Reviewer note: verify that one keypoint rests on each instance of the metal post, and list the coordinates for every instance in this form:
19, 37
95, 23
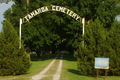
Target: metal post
83, 22
20, 24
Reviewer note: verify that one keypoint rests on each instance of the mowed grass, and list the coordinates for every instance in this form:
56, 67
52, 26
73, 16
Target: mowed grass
37, 65
70, 72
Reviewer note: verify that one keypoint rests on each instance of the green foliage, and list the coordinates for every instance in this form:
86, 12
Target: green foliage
114, 48
47, 30
94, 46
99, 42
13, 61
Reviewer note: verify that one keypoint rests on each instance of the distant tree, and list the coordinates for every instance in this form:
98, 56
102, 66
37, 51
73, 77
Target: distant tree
48, 29
45, 31
13, 61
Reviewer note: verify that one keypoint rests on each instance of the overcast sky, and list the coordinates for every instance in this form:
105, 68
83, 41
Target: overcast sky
3, 8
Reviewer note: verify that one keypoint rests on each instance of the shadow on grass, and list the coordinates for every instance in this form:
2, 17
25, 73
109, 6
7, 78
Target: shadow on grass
101, 77
74, 71
45, 57
66, 56
69, 57
77, 73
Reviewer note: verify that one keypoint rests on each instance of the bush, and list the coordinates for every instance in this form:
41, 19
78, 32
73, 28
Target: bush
13, 61
99, 42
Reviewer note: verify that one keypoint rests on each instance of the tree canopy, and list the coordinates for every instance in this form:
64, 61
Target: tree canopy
54, 30
45, 29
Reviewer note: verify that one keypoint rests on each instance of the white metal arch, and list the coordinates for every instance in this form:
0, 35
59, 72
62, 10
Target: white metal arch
50, 8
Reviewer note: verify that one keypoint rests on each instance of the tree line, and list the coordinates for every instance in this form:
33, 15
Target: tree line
51, 31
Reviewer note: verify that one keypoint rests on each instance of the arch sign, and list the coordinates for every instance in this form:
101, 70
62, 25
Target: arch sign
46, 9
51, 8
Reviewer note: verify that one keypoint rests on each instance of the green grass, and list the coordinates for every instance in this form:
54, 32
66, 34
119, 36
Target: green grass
70, 72
37, 65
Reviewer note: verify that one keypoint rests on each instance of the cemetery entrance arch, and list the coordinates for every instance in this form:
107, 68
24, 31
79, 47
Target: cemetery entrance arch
46, 9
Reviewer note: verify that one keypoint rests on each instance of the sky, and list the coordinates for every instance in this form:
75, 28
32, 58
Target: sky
3, 8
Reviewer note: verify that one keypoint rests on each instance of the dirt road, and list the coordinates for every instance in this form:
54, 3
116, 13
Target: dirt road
52, 71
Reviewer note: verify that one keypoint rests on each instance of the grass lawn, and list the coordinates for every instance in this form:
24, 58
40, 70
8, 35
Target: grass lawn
69, 69
38, 64
70, 72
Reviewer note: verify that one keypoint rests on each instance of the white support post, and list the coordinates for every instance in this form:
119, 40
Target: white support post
20, 24
83, 22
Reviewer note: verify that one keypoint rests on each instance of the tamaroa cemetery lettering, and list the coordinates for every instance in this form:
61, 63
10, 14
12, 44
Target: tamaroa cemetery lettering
51, 8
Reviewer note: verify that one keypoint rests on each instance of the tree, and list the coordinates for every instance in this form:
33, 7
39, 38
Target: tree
55, 22
13, 61
44, 33
95, 45
114, 48
99, 42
